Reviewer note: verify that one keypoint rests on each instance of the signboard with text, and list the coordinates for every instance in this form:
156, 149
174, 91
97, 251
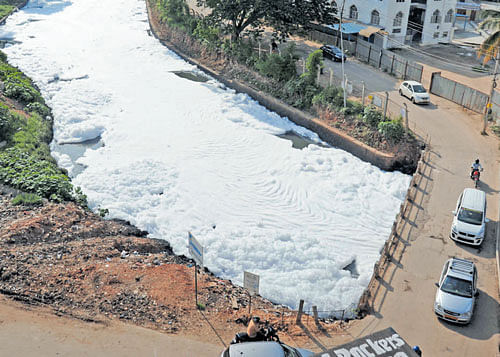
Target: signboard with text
251, 282
385, 343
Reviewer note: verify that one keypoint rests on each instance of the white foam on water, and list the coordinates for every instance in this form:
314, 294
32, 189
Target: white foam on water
183, 156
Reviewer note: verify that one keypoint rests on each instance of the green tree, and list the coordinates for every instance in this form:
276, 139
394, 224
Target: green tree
490, 22
284, 16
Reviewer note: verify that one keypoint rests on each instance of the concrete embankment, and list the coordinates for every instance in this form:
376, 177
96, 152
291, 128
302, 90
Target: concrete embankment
333, 136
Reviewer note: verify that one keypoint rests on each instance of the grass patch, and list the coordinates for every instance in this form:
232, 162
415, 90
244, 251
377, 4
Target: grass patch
27, 199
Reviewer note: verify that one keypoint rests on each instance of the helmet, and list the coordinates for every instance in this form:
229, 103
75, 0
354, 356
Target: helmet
477, 162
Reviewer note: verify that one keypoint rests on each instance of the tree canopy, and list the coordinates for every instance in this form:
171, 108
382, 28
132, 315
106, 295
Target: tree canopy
491, 22
284, 16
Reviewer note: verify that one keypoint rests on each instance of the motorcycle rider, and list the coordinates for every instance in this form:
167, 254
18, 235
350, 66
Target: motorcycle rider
476, 166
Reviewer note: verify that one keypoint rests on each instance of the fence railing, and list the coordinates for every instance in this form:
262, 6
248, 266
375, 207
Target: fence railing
390, 246
376, 56
459, 93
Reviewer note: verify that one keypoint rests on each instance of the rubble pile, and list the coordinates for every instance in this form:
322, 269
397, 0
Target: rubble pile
80, 265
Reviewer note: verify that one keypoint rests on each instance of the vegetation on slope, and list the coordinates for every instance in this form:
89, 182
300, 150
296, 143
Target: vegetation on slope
25, 134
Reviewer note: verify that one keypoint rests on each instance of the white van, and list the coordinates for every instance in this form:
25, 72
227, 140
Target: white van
469, 221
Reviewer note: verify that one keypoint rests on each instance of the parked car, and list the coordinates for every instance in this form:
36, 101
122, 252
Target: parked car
264, 348
469, 221
457, 291
415, 91
333, 53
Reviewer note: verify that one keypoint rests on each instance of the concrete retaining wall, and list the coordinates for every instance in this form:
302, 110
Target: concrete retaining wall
328, 134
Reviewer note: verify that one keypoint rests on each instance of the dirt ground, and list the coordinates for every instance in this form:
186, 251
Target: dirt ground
71, 263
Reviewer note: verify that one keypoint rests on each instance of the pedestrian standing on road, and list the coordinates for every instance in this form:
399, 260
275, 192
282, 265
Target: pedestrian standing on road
417, 350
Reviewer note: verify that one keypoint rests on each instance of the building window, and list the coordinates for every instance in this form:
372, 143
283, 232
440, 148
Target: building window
445, 34
436, 17
398, 19
449, 16
353, 12
375, 19
400, 0
396, 30
436, 35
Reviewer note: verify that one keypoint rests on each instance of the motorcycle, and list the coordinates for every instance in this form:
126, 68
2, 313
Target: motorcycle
266, 333
475, 177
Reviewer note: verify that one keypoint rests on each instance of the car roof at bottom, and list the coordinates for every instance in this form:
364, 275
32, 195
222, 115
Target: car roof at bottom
256, 349
461, 268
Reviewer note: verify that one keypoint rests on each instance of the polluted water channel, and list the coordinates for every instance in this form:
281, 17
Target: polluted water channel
184, 153
192, 76
77, 150
299, 141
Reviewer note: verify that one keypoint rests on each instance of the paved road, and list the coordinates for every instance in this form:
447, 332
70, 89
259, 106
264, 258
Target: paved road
406, 301
41, 334
406, 295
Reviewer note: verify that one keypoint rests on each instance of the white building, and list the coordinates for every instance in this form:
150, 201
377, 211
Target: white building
421, 21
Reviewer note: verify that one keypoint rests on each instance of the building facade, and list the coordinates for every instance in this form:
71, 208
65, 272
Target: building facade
403, 21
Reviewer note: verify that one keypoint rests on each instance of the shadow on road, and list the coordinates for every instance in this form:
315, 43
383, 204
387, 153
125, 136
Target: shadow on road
483, 186
484, 323
488, 248
313, 339
429, 106
405, 235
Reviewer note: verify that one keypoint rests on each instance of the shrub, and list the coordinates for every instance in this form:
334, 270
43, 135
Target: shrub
38, 108
31, 174
210, 35
280, 67
6, 123
299, 92
313, 62
79, 197
242, 51
495, 129
176, 14
103, 212
357, 107
27, 199
392, 130
372, 116
331, 97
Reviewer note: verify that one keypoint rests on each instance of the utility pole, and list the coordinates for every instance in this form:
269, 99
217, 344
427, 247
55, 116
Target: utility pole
493, 86
342, 50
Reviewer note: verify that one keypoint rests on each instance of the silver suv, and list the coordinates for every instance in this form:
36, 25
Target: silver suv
457, 292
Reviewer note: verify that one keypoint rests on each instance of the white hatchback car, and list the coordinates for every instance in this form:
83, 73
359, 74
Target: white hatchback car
457, 291
415, 91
